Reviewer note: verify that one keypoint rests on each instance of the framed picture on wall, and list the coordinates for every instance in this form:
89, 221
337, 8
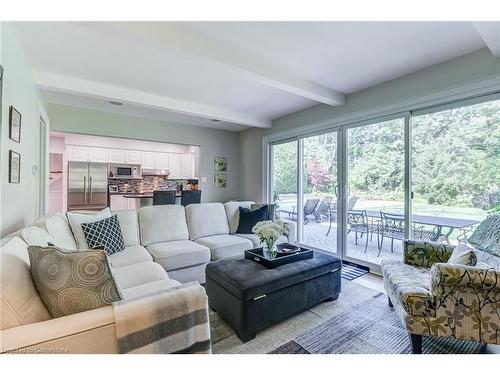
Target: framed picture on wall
14, 124
220, 164
14, 167
220, 180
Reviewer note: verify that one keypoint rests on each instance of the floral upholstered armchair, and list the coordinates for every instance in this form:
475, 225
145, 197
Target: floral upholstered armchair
433, 297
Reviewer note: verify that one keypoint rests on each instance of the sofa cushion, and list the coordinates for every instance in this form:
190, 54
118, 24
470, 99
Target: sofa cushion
130, 255
179, 254
129, 222
72, 282
225, 245
409, 286
149, 288
233, 213
77, 219
138, 274
206, 219
36, 236
59, 229
162, 223
104, 234
19, 300
255, 240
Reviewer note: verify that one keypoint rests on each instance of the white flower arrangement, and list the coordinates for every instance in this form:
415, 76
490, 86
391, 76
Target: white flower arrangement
269, 231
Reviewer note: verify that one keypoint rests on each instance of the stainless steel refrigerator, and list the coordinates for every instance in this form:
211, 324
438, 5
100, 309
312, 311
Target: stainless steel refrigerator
87, 186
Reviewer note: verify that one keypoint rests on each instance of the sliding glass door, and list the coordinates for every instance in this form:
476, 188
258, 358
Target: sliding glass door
319, 192
359, 190
375, 186
284, 178
456, 170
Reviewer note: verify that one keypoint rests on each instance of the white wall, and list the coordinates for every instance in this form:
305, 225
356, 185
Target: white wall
18, 202
212, 142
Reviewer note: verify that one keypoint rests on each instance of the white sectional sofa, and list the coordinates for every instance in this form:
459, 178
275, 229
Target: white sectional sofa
165, 246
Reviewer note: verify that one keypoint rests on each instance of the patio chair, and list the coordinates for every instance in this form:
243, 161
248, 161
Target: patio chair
351, 202
357, 222
323, 210
309, 209
393, 227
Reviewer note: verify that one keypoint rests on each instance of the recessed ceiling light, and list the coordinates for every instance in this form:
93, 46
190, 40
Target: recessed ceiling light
114, 102
215, 120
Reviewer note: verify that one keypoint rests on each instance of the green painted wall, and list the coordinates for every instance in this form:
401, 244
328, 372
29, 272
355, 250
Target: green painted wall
18, 202
465, 69
213, 142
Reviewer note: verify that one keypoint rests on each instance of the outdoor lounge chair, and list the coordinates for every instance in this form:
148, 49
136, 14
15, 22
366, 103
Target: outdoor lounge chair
309, 210
323, 210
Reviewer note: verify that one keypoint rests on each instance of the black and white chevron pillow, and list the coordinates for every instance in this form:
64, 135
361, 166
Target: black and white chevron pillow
104, 234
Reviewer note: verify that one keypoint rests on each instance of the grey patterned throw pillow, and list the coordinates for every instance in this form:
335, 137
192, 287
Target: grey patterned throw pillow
72, 282
104, 234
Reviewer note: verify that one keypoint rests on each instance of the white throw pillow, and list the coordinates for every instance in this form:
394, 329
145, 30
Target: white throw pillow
76, 220
463, 254
36, 236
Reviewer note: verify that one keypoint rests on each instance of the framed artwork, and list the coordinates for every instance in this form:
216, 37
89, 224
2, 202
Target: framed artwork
14, 125
220, 164
14, 167
220, 180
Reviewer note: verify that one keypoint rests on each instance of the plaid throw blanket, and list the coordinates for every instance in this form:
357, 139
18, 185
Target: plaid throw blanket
170, 321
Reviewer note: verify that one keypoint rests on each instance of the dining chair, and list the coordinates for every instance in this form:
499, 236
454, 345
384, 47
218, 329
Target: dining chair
162, 197
190, 197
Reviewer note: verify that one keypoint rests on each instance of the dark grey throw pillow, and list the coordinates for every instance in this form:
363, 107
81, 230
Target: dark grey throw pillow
271, 209
248, 219
70, 282
104, 234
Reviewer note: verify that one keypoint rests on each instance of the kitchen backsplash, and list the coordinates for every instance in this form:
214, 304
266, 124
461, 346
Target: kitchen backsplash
147, 184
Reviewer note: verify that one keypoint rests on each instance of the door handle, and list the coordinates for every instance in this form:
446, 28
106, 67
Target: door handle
85, 189
90, 188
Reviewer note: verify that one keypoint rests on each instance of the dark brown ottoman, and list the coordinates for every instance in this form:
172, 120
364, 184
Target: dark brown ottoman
251, 297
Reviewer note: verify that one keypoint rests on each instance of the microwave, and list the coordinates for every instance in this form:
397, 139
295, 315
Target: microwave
126, 171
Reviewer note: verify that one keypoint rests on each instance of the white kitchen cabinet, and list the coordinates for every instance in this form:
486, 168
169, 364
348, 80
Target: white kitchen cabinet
98, 155
92, 154
162, 160
134, 157
117, 156
187, 167
174, 165
148, 160
119, 203
77, 153
132, 203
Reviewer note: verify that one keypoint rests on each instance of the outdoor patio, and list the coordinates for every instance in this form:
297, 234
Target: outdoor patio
315, 235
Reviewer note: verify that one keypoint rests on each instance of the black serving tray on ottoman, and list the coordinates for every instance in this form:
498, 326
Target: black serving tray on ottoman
257, 255
251, 297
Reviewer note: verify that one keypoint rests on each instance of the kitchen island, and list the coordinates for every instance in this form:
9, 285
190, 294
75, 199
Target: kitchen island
133, 201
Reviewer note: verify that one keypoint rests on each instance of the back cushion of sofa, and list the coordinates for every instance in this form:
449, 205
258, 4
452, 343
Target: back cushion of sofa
19, 300
162, 223
36, 236
233, 213
129, 224
58, 227
206, 219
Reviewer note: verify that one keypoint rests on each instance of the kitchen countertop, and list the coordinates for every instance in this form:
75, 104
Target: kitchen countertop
138, 195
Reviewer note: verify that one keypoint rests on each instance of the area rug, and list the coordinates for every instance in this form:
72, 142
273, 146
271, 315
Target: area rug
370, 327
352, 271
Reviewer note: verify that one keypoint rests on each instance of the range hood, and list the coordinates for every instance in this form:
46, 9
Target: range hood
155, 172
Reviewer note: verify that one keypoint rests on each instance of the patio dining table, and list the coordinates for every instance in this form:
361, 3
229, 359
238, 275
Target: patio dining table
444, 225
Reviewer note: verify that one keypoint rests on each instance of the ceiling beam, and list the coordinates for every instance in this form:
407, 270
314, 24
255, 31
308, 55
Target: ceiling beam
174, 35
490, 33
60, 83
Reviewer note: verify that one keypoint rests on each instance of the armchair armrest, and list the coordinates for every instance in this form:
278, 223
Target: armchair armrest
425, 254
87, 332
292, 230
454, 275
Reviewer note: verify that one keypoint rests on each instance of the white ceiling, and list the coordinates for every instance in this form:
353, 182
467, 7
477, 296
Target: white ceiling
243, 73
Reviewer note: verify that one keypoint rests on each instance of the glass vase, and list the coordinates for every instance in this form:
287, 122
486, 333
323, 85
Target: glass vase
270, 250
